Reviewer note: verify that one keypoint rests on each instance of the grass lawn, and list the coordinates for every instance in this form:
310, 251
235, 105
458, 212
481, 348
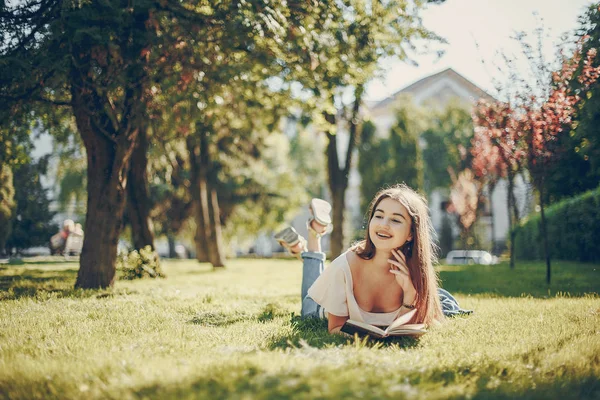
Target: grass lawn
232, 334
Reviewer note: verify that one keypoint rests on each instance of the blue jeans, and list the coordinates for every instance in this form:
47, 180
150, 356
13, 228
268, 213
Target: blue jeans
313, 264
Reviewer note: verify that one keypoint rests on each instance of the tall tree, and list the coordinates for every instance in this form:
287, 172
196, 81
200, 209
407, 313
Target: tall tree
576, 165
541, 113
138, 200
489, 168
86, 57
348, 41
104, 61
498, 152
546, 119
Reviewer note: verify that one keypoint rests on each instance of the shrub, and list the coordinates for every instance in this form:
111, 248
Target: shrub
573, 230
139, 264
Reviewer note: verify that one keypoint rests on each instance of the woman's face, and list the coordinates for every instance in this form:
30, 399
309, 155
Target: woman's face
390, 226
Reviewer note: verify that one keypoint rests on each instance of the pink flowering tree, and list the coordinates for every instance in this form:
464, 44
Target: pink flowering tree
525, 130
498, 153
544, 120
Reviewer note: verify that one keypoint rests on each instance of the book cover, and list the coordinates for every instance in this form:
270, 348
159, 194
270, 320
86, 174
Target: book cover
400, 327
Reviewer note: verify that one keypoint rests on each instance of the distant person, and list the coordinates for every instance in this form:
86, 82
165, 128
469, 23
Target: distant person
78, 229
380, 278
59, 240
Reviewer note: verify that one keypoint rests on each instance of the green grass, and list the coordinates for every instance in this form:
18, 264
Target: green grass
232, 334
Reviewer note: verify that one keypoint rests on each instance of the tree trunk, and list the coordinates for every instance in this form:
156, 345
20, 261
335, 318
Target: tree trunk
109, 130
545, 234
215, 244
465, 239
107, 169
338, 176
511, 218
209, 238
171, 240
492, 187
199, 200
138, 205
7, 206
337, 235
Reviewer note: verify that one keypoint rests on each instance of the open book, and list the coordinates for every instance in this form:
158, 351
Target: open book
399, 327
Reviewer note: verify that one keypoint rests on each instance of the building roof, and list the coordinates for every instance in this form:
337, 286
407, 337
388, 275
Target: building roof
432, 79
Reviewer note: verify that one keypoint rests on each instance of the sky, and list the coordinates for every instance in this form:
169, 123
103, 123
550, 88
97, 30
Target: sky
488, 23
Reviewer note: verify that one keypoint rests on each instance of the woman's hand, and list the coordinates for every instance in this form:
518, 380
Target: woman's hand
400, 269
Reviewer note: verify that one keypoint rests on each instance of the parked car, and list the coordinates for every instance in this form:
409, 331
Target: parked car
470, 257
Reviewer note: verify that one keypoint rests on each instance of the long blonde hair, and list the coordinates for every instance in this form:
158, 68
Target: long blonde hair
420, 252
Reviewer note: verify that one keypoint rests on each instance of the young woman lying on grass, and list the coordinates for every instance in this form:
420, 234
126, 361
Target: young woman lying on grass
380, 278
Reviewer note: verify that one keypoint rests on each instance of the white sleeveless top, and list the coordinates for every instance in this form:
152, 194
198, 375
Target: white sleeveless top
333, 291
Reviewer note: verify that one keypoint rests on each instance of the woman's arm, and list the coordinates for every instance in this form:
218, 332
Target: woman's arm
334, 323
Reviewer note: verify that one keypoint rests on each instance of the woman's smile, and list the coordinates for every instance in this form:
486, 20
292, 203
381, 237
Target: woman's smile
390, 226
384, 236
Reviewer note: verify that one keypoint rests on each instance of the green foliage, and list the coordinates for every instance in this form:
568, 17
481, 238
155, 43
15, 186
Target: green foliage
168, 187
70, 168
307, 160
235, 334
32, 219
384, 161
448, 144
404, 146
570, 172
15, 141
575, 167
573, 227
267, 191
373, 161
446, 134
144, 263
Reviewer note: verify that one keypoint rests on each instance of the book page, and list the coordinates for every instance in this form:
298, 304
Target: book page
402, 320
407, 328
365, 326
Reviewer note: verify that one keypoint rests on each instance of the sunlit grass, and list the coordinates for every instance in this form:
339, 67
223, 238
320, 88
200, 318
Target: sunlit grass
232, 333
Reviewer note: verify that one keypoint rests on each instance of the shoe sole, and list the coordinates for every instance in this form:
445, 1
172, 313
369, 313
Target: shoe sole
287, 237
321, 211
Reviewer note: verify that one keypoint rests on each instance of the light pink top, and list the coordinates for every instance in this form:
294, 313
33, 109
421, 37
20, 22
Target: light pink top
334, 292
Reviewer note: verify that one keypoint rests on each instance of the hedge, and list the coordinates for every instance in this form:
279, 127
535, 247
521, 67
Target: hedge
573, 230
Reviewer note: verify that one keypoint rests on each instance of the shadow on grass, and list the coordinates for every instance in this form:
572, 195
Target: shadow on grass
43, 284
36, 282
312, 332
527, 279
247, 381
213, 319
220, 319
37, 277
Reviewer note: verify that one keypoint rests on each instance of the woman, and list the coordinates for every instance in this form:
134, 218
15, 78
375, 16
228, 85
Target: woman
380, 278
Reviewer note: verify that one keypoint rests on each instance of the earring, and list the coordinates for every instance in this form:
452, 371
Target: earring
408, 247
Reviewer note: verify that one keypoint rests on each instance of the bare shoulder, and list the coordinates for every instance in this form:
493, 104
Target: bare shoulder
352, 257
354, 262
